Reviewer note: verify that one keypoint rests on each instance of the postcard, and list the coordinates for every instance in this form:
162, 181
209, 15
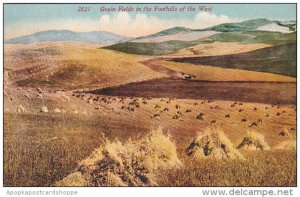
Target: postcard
152, 94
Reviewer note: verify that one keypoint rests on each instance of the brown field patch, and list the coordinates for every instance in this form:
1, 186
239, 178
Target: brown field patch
67, 138
89, 67
217, 48
76, 115
209, 73
262, 92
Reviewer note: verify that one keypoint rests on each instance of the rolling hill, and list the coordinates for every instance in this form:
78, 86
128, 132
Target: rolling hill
248, 25
181, 36
71, 65
241, 26
280, 59
256, 24
171, 40
170, 31
265, 37
155, 48
172, 46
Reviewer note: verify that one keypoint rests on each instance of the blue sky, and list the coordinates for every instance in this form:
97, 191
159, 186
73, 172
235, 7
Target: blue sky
20, 19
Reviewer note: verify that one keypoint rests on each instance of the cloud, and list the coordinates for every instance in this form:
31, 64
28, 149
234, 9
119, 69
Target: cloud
205, 19
121, 23
141, 24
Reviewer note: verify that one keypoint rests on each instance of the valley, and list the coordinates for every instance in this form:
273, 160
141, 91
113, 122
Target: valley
182, 107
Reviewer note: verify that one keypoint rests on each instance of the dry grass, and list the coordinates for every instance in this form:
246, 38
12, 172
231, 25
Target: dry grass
41, 154
213, 143
254, 141
54, 159
272, 168
38, 155
75, 179
218, 48
209, 73
133, 163
41, 149
71, 65
286, 145
284, 133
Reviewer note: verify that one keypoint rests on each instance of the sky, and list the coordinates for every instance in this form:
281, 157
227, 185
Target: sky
25, 19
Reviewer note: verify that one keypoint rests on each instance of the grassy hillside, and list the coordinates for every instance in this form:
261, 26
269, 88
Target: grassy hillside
218, 48
159, 48
211, 73
229, 37
273, 38
242, 26
170, 31
279, 59
169, 47
290, 24
243, 32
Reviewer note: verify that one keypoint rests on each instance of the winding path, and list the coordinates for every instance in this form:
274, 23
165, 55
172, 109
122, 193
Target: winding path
158, 68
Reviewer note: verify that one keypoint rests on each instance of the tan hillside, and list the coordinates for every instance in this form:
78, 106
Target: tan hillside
209, 73
218, 48
103, 137
71, 65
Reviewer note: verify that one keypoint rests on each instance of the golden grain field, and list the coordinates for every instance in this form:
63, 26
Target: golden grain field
76, 115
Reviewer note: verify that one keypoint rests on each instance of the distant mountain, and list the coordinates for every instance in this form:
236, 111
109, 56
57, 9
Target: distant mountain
95, 37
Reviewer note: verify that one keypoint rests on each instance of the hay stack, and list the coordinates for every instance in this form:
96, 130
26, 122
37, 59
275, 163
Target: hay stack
253, 141
21, 109
130, 164
57, 110
286, 145
75, 179
284, 133
44, 109
213, 144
